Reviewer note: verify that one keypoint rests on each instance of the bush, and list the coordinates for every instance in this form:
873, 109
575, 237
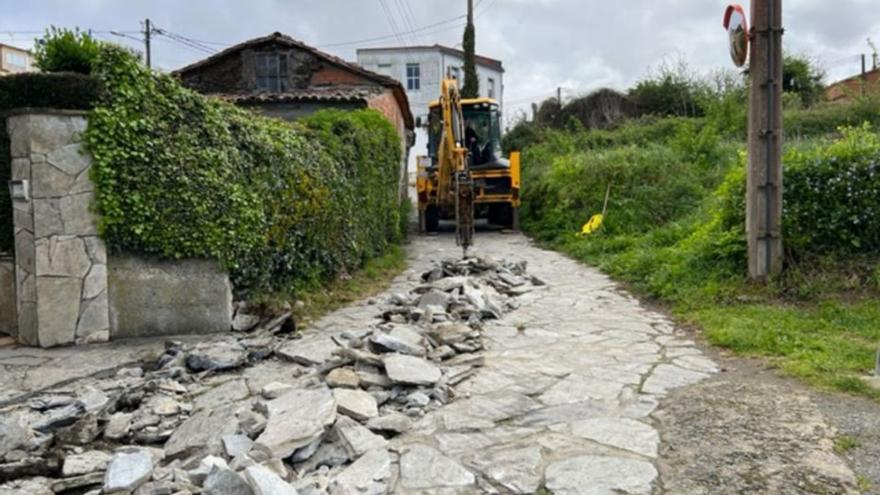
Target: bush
281, 205
69, 91
832, 195
65, 50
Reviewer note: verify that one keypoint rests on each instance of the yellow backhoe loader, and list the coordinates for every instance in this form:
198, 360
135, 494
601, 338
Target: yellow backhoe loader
464, 176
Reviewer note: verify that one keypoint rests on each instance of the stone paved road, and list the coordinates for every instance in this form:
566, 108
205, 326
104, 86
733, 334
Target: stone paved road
570, 381
568, 396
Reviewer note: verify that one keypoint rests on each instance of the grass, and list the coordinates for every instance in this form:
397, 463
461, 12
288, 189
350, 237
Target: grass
311, 303
829, 344
371, 279
674, 234
845, 443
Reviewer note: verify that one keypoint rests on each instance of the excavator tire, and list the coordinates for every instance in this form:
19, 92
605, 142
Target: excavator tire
432, 218
502, 215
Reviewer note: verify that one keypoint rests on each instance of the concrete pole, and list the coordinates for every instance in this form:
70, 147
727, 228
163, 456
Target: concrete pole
764, 183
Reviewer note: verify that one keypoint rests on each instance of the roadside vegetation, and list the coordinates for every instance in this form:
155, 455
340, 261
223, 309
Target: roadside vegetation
288, 208
672, 150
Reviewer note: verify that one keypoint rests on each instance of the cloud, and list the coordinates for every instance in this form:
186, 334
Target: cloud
577, 44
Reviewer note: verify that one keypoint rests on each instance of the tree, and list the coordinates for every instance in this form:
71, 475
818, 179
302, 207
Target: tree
804, 78
65, 50
471, 86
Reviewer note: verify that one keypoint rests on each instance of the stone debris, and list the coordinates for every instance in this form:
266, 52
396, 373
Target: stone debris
128, 470
267, 411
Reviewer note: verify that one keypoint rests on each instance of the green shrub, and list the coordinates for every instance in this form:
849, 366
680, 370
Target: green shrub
826, 118
281, 205
65, 50
832, 194
69, 91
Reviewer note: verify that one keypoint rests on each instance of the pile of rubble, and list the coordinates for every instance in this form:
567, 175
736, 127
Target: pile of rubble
190, 424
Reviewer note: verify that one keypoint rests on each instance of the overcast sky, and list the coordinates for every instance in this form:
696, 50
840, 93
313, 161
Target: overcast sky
579, 45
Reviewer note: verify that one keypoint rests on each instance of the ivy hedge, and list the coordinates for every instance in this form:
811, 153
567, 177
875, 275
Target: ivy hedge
35, 90
281, 205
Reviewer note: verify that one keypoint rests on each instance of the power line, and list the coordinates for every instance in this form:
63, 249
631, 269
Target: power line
422, 29
391, 23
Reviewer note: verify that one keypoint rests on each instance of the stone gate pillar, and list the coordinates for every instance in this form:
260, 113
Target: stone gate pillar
61, 263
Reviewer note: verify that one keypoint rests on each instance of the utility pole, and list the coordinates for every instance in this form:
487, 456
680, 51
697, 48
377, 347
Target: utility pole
864, 74
559, 96
147, 32
764, 182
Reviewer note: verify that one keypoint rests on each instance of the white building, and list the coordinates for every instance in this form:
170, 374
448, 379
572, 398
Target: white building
420, 70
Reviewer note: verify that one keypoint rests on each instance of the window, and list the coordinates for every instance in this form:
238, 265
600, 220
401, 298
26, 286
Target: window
491, 88
413, 77
16, 60
455, 73
271, 72
384, 69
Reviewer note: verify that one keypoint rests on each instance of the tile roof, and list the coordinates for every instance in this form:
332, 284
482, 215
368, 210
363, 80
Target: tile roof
311, 94
283, 39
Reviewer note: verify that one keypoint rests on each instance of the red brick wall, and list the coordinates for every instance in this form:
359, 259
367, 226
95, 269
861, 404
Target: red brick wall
387, 105
848, 88
329, 75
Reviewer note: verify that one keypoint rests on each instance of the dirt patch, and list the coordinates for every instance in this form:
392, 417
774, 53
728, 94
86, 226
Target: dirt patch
748, 430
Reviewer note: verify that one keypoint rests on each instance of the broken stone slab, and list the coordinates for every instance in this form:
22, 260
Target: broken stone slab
411, 370
127, 470
60, 417
264, 481
46, 402
308, 351
452, 333
355, 438
202, 432
216, 356
356, 404
224, 481
251, 423
14, 434
243, 322
295, 420
236, 445
83, 432
343, 378
330, 454
369, 379
88, 462
78, 483
206, 465
368, 474
446, 284
399, 340
231, 391
274, 390
434, 298
393, 422
424, 467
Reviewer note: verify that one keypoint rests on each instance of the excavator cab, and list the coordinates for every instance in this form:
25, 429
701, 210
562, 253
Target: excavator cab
496, 179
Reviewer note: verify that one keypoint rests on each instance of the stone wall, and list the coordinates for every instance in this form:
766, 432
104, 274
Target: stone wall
61, 264
151, 297
8, 313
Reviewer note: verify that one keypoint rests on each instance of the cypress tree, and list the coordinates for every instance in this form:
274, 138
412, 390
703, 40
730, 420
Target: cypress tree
471, 86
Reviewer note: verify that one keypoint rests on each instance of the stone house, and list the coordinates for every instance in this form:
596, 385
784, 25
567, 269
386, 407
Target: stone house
285, 78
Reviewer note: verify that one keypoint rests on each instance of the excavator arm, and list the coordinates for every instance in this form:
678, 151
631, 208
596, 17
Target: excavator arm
454, 176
